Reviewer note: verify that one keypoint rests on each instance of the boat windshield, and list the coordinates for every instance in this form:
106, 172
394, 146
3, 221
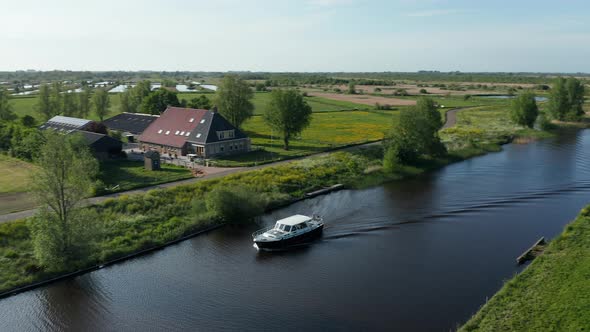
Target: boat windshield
287, 228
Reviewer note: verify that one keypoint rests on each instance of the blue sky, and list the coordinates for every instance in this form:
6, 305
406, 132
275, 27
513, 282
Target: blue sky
305, 35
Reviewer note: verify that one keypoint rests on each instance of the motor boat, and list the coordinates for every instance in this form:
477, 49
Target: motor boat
288, 232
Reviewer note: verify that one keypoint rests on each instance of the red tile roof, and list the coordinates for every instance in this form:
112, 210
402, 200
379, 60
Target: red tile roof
173, 120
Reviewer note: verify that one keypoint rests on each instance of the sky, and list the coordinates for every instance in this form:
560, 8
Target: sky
289, 35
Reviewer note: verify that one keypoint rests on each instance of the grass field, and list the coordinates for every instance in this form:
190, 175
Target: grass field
327, 130
552, 294
15, 181
26, 105
129, 175
15, 175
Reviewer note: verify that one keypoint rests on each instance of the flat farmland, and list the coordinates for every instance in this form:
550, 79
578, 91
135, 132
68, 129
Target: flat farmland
368, 100
328, 130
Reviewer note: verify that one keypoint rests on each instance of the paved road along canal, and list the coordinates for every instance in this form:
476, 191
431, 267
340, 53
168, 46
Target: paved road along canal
421, 254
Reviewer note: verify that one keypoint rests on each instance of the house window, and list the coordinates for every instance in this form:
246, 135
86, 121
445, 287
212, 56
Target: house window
203, 121
198, 135
226, 134
167, 132
177, 132
191, 120
187, 133
160, 131
182, 133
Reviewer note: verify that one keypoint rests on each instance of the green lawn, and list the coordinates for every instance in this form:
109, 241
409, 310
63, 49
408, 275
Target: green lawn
552, 294
327, 130
131, 175
14, 175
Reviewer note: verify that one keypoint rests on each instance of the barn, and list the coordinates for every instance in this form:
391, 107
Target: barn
205, 133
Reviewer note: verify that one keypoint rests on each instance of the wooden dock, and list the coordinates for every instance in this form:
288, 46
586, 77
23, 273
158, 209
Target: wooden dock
324, 190
531, 252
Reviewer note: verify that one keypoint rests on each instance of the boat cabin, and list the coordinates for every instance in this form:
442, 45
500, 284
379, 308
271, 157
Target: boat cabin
292, 224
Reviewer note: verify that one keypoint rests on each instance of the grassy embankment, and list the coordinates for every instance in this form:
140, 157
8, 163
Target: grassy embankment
136, 222
552, 294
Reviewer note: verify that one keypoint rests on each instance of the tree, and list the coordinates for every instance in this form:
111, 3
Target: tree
6, 112
351, 88
233, 100
43, 105
101, 103
56, 98
288, 113
524, 110
70, 105
566, 99
414, 135
200, 102
575, 97
84, 102
62, 232
158, 101
132, 98
28, 121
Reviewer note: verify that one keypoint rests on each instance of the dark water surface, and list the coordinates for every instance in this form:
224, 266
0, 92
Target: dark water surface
416, 255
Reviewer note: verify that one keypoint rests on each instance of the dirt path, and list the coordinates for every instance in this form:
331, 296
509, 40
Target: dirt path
215, 173
452, 116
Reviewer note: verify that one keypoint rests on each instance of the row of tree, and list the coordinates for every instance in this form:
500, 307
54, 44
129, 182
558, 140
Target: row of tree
52, 101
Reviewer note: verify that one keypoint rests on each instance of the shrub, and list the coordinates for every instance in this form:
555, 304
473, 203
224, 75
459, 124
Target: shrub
423, 91
235, 204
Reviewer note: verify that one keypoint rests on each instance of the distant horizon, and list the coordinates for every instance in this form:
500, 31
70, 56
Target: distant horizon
293, 72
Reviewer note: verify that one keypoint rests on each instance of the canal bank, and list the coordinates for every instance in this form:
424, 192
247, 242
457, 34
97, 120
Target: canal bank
552, 293
442, 224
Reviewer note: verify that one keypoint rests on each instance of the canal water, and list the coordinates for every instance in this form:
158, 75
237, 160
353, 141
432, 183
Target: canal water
422, 255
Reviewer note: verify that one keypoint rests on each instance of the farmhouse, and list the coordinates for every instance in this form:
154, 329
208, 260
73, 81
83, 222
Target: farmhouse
130, 124
205, 133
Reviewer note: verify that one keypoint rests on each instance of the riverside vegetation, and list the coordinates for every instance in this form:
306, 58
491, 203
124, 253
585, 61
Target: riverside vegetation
131, 223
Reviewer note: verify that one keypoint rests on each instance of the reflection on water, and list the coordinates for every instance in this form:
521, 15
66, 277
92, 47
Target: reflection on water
420, 254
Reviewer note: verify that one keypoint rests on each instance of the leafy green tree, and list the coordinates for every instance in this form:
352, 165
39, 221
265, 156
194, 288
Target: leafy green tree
84, 102
6, 112
288, 113
233, 100
524, 110
575, 97
158, 101
566, 99
25, 143
200, 102
62, 232
414, 135
28, 121
43, 105
132, 98
351, 88
70, 105
56, 98
101, 103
